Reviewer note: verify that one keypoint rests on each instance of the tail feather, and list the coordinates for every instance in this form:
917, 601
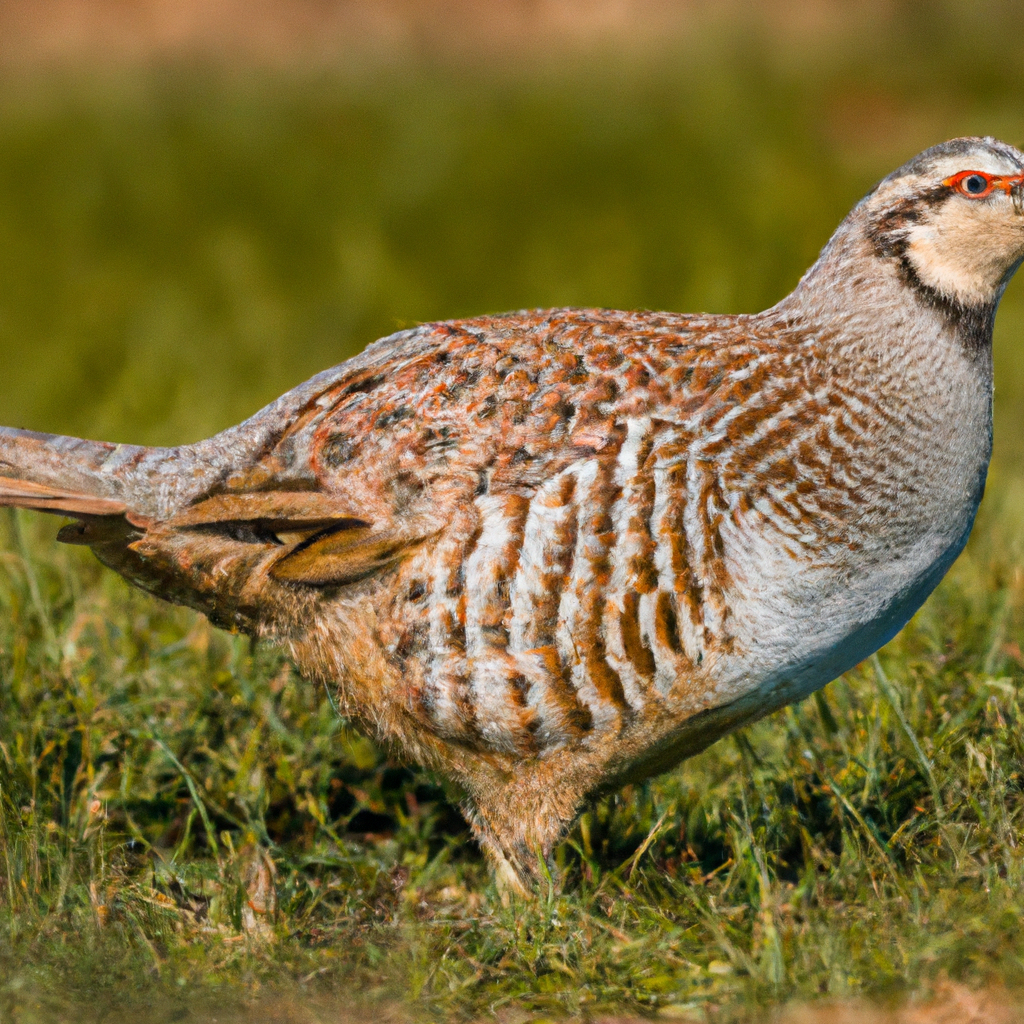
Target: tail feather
72, 476
25, 494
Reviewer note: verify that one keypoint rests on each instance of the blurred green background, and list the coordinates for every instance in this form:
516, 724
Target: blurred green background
204, 202
182, 237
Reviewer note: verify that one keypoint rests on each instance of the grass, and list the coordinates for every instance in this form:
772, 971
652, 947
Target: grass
183, 820
188, 829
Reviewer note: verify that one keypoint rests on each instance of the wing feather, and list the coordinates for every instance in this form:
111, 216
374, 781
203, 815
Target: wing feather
277, 509
342, 556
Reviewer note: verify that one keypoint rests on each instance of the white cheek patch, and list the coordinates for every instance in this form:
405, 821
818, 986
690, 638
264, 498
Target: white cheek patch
964, 249
935, 269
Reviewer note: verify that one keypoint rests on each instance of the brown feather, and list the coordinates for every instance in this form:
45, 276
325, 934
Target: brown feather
25, 494
277, 509
342, 556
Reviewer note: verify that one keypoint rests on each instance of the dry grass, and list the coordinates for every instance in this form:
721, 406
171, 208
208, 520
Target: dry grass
953, 1004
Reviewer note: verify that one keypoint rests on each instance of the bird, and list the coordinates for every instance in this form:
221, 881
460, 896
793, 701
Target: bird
551, 552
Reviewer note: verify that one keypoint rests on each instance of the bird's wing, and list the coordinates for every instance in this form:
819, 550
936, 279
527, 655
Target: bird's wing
357, 468
324, 542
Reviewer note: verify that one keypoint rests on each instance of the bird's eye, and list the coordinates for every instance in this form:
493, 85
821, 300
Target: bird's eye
973, 184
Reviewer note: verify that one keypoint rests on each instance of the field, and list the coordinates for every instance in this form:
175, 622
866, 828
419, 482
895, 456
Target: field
187, 829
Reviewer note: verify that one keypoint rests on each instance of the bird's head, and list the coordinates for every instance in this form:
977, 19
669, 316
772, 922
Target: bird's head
951, 221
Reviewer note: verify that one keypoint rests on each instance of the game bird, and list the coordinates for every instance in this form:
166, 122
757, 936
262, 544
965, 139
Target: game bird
554, 551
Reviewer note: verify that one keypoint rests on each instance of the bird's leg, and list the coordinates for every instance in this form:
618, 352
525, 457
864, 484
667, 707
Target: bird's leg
518, 868
519, 823
510, 873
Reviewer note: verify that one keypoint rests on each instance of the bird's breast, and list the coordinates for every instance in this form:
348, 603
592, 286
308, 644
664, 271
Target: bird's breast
872, 504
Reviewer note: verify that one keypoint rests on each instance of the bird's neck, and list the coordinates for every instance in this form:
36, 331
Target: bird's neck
872, 307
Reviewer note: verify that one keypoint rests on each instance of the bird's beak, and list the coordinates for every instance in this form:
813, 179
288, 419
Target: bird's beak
1013, 186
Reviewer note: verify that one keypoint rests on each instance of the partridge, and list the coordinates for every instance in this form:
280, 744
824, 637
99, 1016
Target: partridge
553, 551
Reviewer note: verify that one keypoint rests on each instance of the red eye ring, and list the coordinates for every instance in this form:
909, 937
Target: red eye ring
967, 183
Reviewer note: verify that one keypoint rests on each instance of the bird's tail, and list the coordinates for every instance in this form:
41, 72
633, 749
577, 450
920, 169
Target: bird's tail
65, 475
78, 478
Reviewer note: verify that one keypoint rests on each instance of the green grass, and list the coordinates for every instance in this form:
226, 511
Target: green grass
176, 249
866, 841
